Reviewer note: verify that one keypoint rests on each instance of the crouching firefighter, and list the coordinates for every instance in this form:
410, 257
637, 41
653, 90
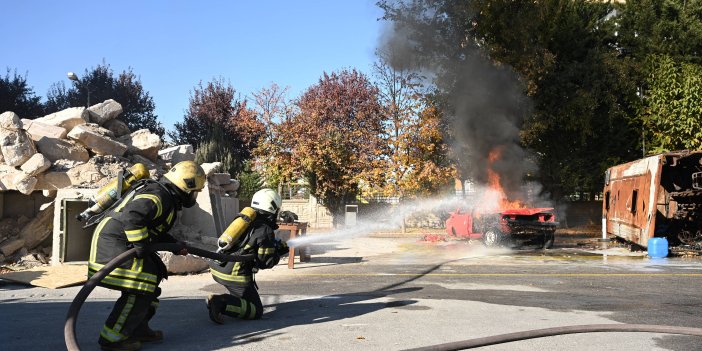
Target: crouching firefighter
258, 238
144, 215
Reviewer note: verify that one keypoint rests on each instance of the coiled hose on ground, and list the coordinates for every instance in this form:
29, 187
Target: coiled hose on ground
573, 329
69, 329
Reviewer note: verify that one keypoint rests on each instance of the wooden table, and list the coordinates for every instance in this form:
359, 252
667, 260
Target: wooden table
295, 229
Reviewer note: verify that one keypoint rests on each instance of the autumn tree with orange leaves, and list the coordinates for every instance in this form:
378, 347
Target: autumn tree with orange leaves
334, 139
416, 163
219, 120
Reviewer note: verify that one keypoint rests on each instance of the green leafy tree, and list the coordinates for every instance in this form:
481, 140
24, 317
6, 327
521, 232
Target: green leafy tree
101, 84
216, 149
17, 96
250, 182
334, 141
673, 105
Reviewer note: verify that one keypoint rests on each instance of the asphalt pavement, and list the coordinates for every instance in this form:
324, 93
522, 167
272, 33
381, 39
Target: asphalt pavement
373, 293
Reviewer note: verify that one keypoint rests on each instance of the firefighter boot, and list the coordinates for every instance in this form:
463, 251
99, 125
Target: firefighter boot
124, 345
215, 307
145, 334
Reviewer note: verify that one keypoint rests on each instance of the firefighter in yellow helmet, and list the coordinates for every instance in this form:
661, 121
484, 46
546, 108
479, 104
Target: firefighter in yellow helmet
144, 215
243, 300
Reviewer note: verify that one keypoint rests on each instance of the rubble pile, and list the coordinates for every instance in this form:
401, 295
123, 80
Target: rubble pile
77, 150
73, 148
76, 147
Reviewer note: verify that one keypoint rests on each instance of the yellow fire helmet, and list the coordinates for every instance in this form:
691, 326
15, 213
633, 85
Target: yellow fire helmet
188, 176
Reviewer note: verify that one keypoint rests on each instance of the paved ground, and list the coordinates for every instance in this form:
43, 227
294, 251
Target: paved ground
398, 293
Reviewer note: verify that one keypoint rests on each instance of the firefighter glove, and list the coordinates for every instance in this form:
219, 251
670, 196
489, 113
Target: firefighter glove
140, 250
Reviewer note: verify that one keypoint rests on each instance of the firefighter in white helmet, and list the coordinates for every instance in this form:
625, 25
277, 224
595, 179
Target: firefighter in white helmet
144, 215
243, 300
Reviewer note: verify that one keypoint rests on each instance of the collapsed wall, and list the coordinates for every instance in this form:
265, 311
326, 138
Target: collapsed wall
71, 154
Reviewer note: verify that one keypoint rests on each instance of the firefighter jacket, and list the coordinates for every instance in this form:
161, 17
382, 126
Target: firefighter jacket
143, 216
260, 240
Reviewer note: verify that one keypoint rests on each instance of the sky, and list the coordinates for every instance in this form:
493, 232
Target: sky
173, 45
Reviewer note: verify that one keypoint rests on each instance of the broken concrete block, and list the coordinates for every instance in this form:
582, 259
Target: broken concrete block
53, 181
85, 174
36, 164
104, 111
183, 264
141, 159
231, 187
95, 128
11, 247
61, 149
39, 228
25, 183
68, 118
211, 168
97, 143
177, 154
220, 178
37, 130
117, 127
10, 120
143, 142
16, 147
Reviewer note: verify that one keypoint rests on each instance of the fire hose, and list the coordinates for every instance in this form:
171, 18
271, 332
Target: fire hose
69, 329
573, 329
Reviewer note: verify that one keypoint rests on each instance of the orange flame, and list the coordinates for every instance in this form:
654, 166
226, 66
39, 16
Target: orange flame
496, 196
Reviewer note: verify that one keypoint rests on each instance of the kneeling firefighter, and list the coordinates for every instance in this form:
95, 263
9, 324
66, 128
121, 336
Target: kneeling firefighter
144, 215
243, 300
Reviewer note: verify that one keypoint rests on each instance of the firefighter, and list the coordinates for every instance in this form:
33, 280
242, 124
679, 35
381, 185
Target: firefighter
243, 300
144, 215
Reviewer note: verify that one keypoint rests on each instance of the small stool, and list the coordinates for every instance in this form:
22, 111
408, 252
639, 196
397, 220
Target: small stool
295, 229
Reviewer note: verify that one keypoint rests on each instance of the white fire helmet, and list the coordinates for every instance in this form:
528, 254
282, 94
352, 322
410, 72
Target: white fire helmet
266, 200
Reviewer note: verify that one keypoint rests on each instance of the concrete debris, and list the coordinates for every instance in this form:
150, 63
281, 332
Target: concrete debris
10, 120
11, 247
62, 149
211, 168
104, 111
25, 183
38, 130
39, 228
16, 146
67, 119
96, 142
183, 264
36, 165
175, 154
117, 127
143, 143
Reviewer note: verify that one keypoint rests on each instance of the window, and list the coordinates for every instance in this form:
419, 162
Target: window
634, 198
606, 201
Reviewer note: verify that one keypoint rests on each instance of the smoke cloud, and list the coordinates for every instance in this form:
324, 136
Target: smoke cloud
485, 104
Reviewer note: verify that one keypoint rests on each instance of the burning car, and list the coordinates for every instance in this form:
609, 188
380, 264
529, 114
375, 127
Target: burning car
512, 227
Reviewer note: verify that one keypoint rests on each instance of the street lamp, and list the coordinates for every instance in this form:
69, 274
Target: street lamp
72, 76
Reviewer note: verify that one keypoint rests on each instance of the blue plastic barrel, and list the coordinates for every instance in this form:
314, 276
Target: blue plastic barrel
657, 247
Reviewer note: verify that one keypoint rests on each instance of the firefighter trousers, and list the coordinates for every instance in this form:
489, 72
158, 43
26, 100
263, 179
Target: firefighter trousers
242, 301
131, 313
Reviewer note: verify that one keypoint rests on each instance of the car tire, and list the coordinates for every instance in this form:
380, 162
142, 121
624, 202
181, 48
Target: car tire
549, 239
492, 238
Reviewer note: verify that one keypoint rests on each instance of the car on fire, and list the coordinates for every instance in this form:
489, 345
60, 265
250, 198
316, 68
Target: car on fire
512, 228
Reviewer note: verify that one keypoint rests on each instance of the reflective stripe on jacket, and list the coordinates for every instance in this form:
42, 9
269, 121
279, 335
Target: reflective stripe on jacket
143, 216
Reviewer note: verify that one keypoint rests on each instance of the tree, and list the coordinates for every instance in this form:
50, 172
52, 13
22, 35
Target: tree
334, 140
271, 157
673, 105
137, 105
215, 108
17, 96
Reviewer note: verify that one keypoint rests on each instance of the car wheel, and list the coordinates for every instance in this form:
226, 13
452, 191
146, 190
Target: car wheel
492, 238
549, 238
